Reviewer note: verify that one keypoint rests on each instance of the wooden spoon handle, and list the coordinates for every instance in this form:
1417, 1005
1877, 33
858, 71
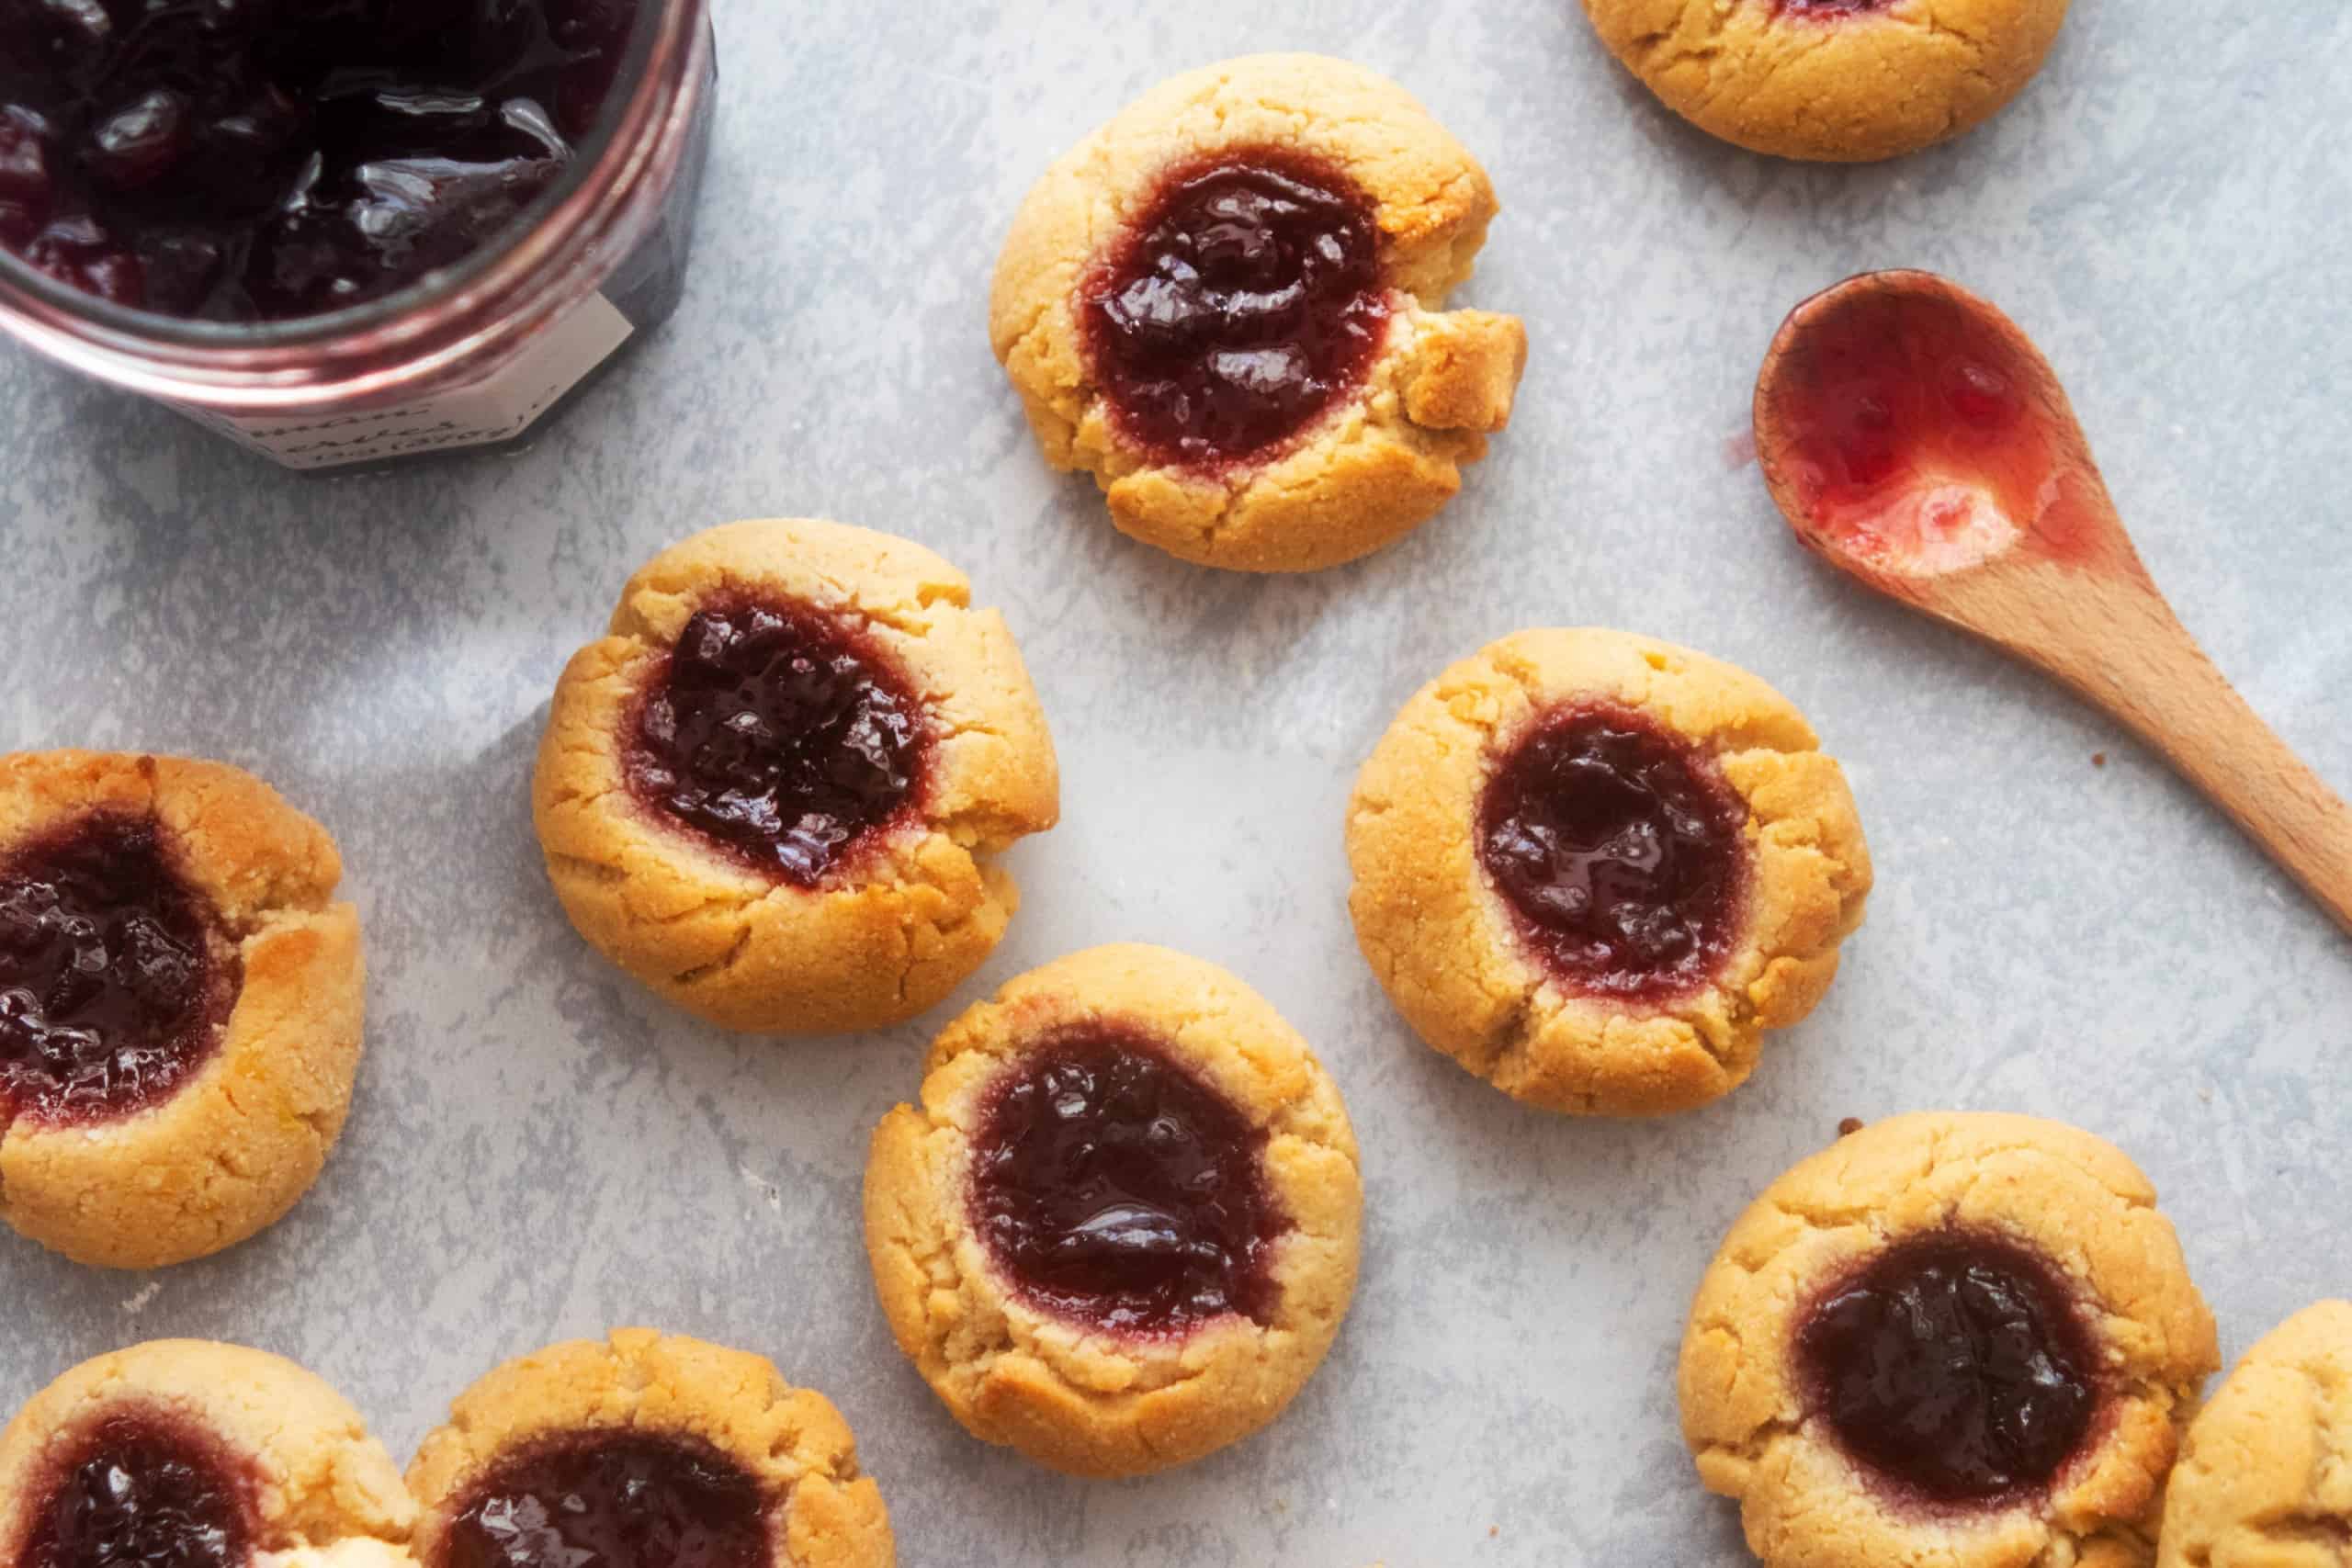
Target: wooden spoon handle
2144, 668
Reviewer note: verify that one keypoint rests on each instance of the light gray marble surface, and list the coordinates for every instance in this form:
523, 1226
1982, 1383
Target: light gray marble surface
540, 1151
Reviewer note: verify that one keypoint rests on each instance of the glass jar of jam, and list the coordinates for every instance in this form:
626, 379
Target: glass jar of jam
348, 231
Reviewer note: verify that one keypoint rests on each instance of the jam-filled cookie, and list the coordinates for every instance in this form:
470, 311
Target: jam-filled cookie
775, 791
183, 1454
2265, 1478
1831, 81
1121, 1231
1968, 1340
1226, 305
644, 1451
180, 1005
1593, 869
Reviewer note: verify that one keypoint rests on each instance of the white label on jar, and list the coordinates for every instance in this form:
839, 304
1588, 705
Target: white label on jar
498, 408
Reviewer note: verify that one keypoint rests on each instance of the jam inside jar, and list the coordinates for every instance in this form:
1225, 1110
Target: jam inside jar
347, 232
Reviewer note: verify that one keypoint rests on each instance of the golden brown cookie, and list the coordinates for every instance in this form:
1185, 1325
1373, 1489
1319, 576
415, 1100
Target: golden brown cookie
618, 1450
1833, 81
1594, 868
1226, 305
775, 792
197, 1455
2265, 1478
1964, 1340
1121, 1231
180, 1005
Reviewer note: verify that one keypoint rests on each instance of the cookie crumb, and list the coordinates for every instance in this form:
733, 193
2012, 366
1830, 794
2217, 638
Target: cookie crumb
2098, 758
1849, 1126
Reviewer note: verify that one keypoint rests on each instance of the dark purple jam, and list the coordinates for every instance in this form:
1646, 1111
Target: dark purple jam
114, 978
1245, 299
1117, 1188
142, 1489
1828, 10
1621, 850
783, 734
611, 1499
260, 160
1956, 1366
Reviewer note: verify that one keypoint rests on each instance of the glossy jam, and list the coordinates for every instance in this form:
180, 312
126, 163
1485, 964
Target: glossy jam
114, 978
1116, 1189
1907, 438
1244, 301
142, 1489
780, 733
618, 1499
1828, 10
1956, 1367
1621, 850
260, 160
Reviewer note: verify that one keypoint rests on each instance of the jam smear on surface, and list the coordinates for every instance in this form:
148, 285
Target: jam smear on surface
264, 160
142, 1489
611, 1499
781, 733
1620, 848
115, 979
1956, 1366
1245, 299
1118, 1190
1828, 10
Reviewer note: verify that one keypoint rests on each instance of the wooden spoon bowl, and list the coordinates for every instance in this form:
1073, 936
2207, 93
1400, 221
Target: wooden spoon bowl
1915, 437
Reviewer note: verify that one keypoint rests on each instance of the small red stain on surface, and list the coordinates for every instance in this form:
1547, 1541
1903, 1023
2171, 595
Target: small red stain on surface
2098, 758
1739, 451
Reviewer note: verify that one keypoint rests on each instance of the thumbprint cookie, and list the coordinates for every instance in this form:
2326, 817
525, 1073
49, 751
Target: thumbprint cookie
1226, 305
1968, 1340
2265, 1478
180, 1005
644, 1451
1832, 81
1121, 1230
1593, 869
775, 791
183, 1454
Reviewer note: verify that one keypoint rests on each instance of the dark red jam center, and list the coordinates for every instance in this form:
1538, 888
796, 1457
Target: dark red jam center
258, 160
1828, 9
142, 1490
1956, 1367
1244, 301
617, 1499
783, 734
1117, 1188
114, 976
1620, 848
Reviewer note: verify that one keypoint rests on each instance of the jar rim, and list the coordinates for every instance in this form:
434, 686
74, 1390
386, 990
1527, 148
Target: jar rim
419, 329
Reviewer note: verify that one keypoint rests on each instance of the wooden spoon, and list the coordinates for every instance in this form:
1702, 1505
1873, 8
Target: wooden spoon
1914, 437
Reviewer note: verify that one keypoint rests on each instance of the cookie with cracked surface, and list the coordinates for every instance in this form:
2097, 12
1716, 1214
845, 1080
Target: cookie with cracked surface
1964, 1339
1227, 306
1594, 868
1832, 81
1121, 1231
180, 1005
775, 791
180, 1453
646, 1450
2265, 1478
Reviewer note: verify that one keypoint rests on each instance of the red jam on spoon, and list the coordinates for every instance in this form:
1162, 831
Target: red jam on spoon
1620, 850
262, 159
1243, 301
1119, 1190
1955, 1367
115, 978
142, 1489
1910, 430
611, 1499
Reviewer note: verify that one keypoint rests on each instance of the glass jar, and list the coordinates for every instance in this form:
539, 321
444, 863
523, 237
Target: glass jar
470, 357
